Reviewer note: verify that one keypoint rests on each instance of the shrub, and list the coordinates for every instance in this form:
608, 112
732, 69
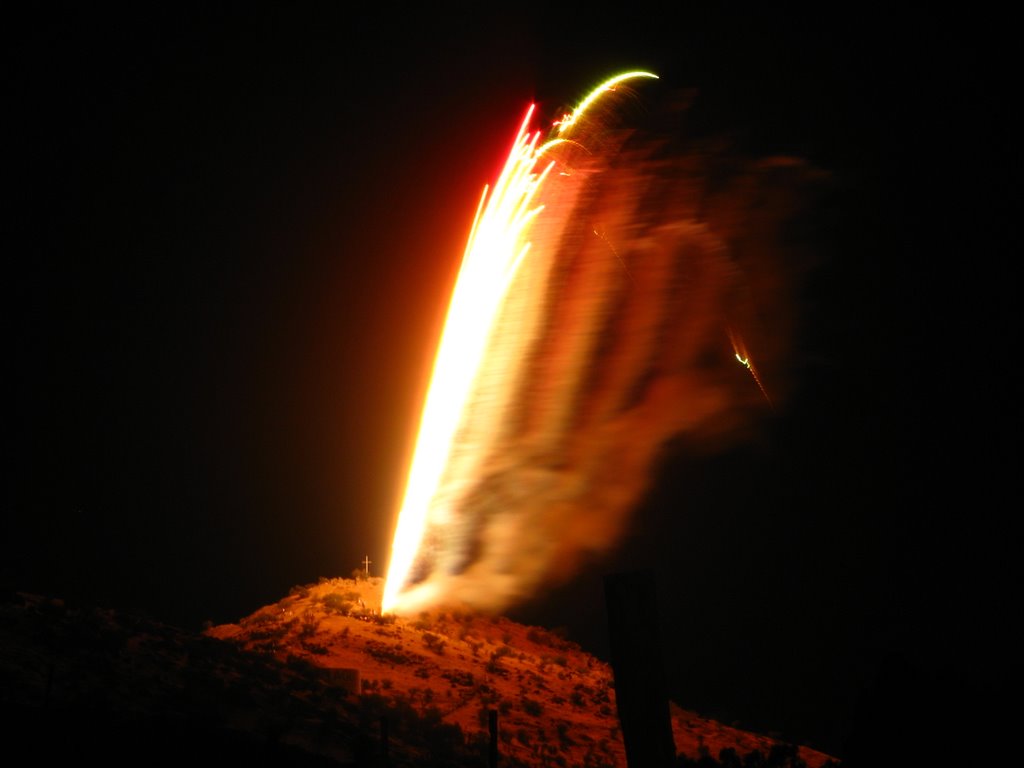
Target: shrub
785, 756
728, 757
436, 643
563, 734
531, 707
271, 633
309, 623
301, 665
457, 678
392, 654
261, 619
423, 622
337, 602
494, 667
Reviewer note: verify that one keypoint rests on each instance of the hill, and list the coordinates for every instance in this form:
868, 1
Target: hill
555, 702
320, 679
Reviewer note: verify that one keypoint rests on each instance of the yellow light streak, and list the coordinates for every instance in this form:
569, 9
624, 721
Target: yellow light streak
608, 85
740, 350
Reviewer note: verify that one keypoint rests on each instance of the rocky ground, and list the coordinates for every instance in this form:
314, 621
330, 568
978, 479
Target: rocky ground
320, 678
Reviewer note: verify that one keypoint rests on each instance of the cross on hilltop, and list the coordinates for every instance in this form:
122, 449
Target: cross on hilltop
366, 564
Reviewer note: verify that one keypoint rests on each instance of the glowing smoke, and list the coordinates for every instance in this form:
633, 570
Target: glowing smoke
639, 292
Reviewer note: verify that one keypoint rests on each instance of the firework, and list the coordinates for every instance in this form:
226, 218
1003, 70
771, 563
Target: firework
585, 329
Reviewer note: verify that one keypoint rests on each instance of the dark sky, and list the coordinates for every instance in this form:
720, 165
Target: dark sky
230, 240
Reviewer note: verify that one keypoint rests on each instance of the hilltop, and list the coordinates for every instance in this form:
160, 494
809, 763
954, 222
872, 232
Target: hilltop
555, 702
314, 680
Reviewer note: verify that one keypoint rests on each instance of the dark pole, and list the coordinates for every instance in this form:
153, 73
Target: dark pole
492, 724
640, 693
48, 687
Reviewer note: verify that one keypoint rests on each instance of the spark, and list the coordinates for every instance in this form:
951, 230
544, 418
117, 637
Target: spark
743, 356
498, 244
616, 253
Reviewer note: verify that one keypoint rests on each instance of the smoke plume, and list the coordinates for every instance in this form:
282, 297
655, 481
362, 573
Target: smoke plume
658, 299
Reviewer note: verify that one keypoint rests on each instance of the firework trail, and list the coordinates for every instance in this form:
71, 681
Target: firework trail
612, 281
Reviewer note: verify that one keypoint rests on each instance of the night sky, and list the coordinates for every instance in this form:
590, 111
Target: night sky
230, 241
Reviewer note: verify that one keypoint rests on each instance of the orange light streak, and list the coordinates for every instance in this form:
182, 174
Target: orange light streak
497, 245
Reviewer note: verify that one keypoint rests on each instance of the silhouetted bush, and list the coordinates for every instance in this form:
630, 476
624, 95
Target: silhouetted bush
392, 654
531, 707
310, 622
779, 756
436, 643
339, 603
459, 678
729, 758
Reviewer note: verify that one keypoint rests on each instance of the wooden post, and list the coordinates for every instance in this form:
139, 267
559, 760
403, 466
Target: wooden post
492, 724
384, 746
640, 693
